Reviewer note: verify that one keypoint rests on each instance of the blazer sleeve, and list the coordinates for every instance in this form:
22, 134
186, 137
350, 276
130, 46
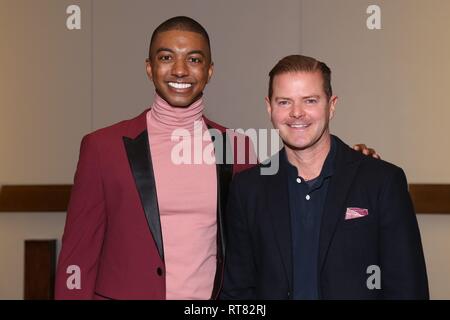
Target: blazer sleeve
84, 229
240, 272
403, 270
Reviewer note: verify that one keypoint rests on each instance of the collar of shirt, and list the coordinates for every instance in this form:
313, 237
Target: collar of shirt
326, 172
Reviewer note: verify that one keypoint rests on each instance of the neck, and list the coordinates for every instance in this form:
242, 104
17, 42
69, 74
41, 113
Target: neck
309, 162
170, 117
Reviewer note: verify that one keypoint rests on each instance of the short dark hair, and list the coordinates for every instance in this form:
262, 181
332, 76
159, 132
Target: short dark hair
299, 63
180, 23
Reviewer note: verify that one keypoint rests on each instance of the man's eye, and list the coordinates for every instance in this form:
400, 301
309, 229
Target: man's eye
195, 60
165, 58
283, 102
311, 101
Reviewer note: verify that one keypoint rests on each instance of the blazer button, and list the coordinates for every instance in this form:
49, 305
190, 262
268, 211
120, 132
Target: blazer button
159, 271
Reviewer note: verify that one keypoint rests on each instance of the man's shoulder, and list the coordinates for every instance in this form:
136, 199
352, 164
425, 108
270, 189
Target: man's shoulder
376, 171
367, 163
119, 129
378, 167
380, 172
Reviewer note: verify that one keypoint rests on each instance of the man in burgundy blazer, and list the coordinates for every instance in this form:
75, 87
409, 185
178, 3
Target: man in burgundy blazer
115, 235
112, 244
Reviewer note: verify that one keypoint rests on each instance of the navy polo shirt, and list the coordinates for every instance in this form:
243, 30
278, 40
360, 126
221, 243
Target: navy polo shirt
306, 203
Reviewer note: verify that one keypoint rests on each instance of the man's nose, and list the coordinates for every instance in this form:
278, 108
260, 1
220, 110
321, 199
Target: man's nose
180, 68
297, 111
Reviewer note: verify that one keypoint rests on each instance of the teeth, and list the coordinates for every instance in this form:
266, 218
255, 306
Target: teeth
298, 125
177, 85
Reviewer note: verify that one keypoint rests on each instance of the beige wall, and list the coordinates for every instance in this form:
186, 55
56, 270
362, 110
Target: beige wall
56, 85
436, 245
45, 108
391, 82
45, 91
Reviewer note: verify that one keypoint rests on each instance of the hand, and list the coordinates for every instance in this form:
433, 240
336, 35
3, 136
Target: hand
367, 151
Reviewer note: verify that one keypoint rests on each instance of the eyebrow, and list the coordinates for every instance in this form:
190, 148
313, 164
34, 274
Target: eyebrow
200, 52
164, 49
282, 98
313, 96
303, 98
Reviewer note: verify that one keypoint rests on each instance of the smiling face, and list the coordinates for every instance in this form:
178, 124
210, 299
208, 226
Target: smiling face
180, 66
300, 109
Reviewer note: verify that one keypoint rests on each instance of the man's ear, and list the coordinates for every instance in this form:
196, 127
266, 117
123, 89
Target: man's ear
148, 68
333, 102
210, 71
268, 106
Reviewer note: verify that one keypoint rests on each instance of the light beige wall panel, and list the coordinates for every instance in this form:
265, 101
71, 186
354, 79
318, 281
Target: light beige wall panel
391, 82
436, 245
45, 90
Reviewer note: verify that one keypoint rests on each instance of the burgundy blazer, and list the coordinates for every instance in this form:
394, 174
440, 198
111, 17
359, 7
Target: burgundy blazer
113, 233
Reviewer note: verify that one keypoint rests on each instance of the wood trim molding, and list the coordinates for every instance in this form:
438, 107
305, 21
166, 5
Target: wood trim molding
34, 198
430, 198
427, 198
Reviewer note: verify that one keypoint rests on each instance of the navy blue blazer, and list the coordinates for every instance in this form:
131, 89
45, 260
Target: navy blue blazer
258, 262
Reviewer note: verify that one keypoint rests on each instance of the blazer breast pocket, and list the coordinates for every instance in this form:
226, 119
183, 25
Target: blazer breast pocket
356, 216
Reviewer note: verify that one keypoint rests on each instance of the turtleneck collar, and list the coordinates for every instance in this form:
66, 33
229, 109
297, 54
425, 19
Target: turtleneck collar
167, 116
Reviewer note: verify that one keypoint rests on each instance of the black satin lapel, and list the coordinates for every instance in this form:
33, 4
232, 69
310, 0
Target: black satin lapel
224, 173
224, 176
139, 157
346, 167
277, 201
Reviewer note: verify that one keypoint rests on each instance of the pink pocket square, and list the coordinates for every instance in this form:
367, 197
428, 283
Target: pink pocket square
353, 213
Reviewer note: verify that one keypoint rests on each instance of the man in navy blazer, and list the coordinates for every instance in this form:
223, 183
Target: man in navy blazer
331, 223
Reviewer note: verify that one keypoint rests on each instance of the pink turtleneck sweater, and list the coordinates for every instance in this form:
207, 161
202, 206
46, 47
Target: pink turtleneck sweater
187, 198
